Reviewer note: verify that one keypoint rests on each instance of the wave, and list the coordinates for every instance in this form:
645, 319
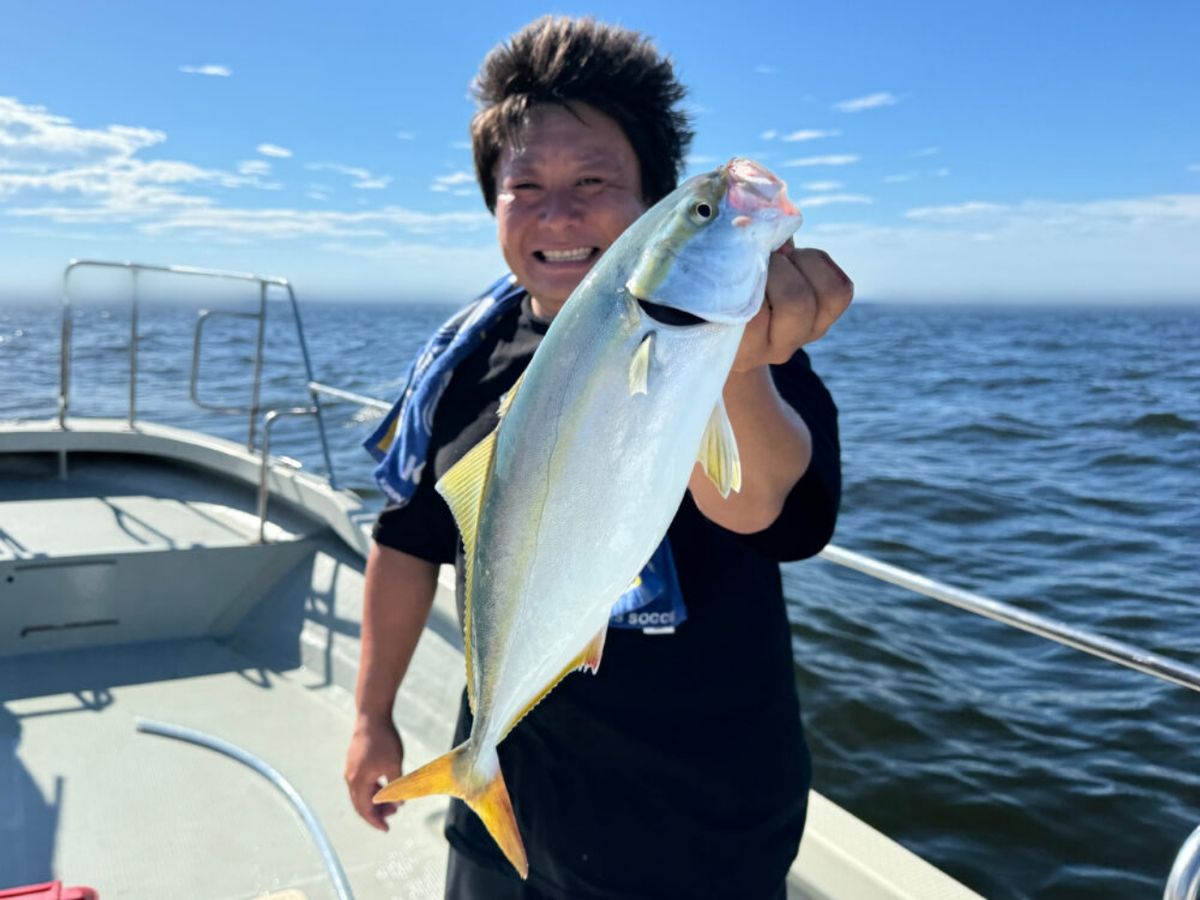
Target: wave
1163, 423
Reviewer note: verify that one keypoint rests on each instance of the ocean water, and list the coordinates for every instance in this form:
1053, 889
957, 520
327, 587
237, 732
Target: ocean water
1047, 457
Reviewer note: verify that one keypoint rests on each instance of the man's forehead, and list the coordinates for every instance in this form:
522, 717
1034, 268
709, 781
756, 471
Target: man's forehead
556, 134
529, 154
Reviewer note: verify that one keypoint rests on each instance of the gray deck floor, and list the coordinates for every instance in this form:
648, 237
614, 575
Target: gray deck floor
135, 815
87, 798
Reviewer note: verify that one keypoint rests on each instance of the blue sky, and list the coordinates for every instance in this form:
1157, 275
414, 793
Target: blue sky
969, 150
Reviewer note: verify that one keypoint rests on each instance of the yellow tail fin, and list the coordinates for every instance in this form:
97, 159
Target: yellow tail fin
481, 789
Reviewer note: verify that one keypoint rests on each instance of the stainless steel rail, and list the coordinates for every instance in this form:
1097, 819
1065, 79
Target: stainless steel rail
337, 875
1106, 648
135, 269
1184, 881
264, 471
349, 396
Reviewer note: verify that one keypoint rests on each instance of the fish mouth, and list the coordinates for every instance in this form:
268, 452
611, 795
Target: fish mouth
668, 315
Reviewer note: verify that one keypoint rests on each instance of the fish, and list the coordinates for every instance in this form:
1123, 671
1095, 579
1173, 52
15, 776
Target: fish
562, 505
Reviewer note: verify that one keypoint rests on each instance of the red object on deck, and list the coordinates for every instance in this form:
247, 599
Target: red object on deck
51, 890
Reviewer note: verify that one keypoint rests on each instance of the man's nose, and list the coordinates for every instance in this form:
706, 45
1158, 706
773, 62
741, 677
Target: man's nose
561, 207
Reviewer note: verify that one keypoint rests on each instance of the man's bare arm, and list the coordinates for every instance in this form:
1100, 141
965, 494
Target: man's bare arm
397, 598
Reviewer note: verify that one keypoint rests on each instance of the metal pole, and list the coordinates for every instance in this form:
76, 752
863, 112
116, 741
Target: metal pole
1115, 651
258, 362
64, 365
316, 400
264, 470
1184, 881
333, 866
133, 345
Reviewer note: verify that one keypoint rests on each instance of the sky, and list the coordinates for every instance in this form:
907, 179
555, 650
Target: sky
967, 150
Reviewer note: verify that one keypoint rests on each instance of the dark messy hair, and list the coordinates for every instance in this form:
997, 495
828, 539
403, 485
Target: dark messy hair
557, 60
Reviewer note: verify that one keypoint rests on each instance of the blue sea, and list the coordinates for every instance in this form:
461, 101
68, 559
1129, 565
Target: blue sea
1044, 456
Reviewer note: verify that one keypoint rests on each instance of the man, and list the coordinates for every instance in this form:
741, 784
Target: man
680, 770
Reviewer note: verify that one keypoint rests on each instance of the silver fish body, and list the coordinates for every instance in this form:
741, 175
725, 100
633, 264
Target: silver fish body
562, 506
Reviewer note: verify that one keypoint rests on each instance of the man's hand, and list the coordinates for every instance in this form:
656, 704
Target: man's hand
375, 758
806, 293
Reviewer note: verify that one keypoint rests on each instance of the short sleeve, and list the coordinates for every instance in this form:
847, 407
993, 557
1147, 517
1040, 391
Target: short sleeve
423, 527
809, 515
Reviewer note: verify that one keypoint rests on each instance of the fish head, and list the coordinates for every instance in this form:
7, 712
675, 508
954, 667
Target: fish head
705, 247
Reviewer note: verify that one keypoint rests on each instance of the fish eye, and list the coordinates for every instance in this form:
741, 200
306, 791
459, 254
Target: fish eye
701, 212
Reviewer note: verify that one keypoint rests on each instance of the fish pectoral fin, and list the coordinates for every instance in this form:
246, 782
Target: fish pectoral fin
481, 788
639, 367
593, 651
718, 454
463, 487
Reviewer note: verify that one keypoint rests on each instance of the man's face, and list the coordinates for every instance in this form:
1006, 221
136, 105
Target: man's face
564, 193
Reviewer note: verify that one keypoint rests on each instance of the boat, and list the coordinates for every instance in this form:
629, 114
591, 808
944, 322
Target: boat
179, 638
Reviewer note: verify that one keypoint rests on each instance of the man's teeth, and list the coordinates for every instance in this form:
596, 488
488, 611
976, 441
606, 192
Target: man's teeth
577, 255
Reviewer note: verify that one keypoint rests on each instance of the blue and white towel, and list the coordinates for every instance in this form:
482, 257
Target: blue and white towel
654, 603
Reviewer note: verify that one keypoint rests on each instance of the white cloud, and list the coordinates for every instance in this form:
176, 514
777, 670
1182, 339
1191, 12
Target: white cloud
293, 223
1194, 167
461, 145
821, 185
254, 167
446, 182
941, 173
810, 134
927, 151
274, 150
405, 136
871, 101
218, 71
33, 139
362, 178
899, 178
1062, 250
1134, 213
844, 159
701, 159
830, 199
769, 135
765, 70
954, 211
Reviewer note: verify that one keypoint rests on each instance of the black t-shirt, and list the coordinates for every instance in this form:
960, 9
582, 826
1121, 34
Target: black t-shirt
680, 770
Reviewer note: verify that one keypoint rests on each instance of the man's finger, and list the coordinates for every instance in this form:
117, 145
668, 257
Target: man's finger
832, 288
793, 307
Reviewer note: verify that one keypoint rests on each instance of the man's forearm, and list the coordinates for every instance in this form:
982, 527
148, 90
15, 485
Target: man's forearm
774, 446
397, 598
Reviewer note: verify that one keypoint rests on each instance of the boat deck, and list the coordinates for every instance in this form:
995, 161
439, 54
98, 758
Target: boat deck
137, 589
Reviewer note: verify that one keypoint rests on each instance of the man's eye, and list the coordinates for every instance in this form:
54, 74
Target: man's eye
590, 181
525, 186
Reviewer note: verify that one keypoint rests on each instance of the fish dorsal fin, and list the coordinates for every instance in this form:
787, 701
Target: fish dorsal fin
506, 401
588, 658
718, 454
639, 368
463, 487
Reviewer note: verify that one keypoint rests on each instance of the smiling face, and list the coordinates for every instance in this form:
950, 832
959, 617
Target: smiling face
565, 191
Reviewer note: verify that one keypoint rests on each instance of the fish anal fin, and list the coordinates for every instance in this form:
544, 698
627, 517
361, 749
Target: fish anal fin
589, 657
593, 651
463, 487
639, 366
506, 401
482, 790
718, 454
